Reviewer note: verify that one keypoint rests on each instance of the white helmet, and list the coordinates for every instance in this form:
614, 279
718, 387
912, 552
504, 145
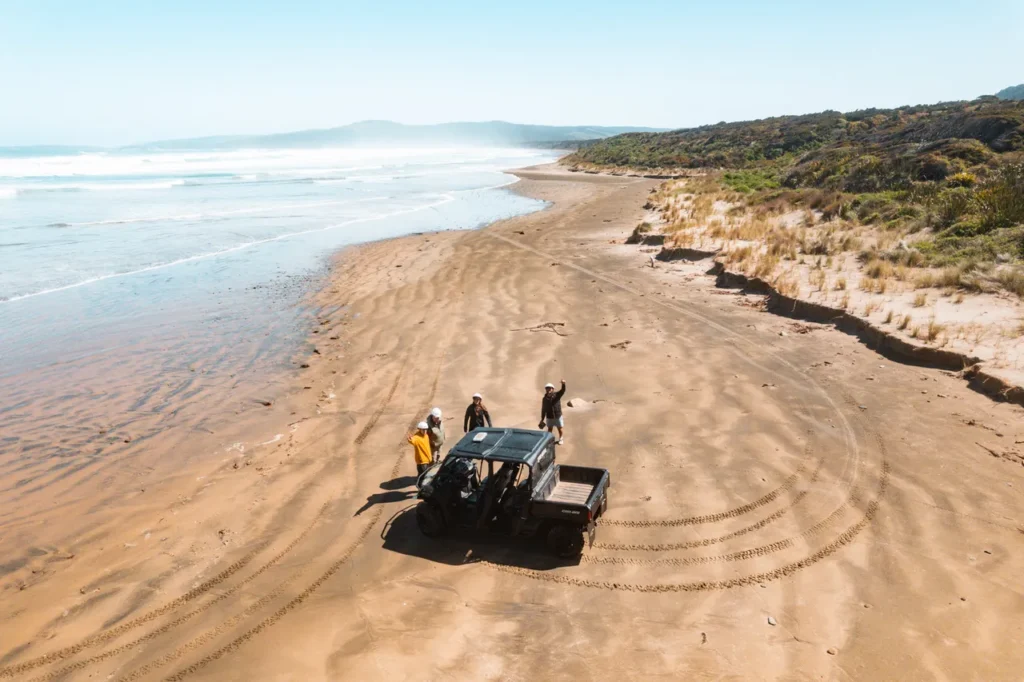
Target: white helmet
477, 395
436, 413
422, 426
549, 385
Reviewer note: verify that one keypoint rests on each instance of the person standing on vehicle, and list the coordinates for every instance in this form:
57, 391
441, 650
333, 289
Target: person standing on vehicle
551, 409
421, 448
435, 429
476, 415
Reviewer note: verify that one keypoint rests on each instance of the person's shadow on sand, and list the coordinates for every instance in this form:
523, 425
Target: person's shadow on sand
395, 493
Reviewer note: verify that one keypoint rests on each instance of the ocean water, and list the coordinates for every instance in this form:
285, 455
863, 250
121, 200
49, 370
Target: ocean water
154, 264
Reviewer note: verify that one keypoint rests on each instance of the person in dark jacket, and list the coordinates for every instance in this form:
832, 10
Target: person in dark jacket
476, 415
551, 409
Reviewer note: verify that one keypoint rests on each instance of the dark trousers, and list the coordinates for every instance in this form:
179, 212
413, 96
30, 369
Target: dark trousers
420, 468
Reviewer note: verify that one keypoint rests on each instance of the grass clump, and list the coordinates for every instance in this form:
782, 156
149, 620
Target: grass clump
1011, 279
747, 181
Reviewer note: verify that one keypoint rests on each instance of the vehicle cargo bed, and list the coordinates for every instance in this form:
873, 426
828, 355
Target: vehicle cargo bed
571, 493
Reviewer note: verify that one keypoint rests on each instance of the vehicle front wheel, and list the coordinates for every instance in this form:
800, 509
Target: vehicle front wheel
565, 541
430, 520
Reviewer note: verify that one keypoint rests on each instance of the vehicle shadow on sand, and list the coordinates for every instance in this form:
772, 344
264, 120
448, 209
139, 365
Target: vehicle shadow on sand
457, 548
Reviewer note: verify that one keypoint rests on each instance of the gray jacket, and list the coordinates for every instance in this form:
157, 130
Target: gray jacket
436, 433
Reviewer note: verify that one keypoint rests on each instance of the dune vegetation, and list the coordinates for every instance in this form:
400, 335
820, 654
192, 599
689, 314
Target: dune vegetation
947, 179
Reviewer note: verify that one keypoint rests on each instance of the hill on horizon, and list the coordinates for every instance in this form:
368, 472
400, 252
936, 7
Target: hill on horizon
390, 133
365, 134
1012, 92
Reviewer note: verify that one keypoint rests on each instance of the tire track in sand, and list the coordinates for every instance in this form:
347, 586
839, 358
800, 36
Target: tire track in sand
705, 542
112, 633
379, 412
79, 665
830, 548
269, 621
763, 550
844, 538
711, 518
693, 315
116, 632
292, 604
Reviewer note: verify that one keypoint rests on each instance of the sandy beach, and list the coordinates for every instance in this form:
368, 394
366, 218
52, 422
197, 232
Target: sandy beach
785, 503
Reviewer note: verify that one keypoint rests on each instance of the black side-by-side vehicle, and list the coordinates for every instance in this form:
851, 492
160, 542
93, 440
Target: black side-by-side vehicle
506, 481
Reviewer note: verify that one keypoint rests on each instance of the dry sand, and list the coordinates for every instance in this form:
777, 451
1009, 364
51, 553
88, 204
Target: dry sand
785, 504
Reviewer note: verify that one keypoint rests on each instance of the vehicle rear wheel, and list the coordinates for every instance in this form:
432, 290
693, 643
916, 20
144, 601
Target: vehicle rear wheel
565, 541
430, 520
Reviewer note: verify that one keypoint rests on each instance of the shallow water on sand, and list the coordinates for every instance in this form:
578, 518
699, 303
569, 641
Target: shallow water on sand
133, 287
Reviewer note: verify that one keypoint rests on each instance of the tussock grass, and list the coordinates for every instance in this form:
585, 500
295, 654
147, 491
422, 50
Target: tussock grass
878, 269
740, 255
1011, 279
787, 285
965, 276
765, 265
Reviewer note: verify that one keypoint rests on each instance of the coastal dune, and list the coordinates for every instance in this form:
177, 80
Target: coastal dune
785, 503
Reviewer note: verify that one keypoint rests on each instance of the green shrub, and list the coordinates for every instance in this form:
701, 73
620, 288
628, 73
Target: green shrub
932, 168
950, 249
953, 204
962, 179
750, 180
1000, 201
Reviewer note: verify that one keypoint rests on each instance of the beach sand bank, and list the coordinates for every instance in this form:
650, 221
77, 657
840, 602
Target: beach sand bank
785, 503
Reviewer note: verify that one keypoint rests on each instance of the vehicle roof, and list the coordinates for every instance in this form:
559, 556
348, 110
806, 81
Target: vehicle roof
503, 445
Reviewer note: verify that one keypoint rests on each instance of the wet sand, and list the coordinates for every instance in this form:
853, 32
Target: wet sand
760, 469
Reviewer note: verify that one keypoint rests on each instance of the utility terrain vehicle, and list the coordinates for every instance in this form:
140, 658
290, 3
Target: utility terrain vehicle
506, 481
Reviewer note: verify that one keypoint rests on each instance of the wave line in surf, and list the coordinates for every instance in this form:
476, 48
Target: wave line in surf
447, 198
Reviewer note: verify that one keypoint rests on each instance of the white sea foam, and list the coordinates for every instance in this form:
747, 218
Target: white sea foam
249, 161
220, 214
96, 186
445, 198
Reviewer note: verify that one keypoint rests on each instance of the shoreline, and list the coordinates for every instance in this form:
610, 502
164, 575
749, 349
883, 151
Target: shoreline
737, 451
130, 439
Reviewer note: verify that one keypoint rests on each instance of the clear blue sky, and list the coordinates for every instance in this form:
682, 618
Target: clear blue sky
112, 72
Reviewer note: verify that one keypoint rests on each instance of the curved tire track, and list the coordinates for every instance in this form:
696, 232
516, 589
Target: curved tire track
269, 621
734, 556
295, 602
712, 518
115, 632
79, 665
705, 542
844, 538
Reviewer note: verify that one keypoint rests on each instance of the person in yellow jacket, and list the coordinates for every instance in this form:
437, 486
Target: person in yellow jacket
421, 448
